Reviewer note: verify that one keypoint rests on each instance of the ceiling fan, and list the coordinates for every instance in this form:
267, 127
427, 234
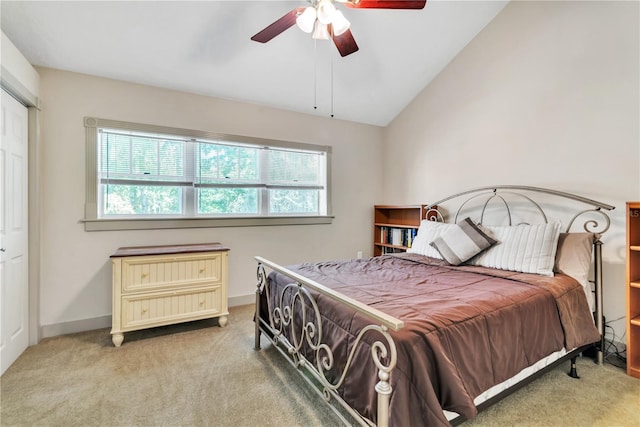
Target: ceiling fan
326, 22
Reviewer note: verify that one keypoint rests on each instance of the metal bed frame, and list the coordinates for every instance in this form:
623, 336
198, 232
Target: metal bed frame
307, 330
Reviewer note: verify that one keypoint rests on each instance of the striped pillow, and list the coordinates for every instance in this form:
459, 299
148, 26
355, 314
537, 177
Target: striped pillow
462, 242
523, 248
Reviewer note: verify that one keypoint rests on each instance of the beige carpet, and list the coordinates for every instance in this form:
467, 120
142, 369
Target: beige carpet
198, 374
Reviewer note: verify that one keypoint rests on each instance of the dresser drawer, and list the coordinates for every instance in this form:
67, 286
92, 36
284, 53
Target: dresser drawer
170, 307
170, 271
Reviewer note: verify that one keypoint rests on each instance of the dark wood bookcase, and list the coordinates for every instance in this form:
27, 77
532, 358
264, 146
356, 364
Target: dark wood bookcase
633, 289
395, 226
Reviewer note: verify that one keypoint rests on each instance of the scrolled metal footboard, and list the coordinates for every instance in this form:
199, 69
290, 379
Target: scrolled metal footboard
296, 311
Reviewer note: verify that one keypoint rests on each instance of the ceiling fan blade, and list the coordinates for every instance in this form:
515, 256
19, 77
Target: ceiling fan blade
279, 26
345, 43
386, 4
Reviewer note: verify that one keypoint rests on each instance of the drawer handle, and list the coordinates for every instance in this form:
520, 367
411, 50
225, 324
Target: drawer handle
201, 302
202, 270
144, 275
144, 310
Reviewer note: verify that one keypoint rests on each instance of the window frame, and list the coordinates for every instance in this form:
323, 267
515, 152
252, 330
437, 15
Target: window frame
93, 223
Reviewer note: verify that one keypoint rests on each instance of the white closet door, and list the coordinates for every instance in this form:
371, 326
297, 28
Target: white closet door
14, 270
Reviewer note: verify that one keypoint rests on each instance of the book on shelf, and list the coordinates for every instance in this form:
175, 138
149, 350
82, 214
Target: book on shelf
397, 236
411, 235
390, 250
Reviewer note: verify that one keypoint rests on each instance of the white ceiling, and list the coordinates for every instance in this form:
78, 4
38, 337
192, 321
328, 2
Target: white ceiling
204, 47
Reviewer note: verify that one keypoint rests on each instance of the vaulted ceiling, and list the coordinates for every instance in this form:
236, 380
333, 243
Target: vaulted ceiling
204, 47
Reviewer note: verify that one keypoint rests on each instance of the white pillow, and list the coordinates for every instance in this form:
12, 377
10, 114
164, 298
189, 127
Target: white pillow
462, 242
523, 248
427, 233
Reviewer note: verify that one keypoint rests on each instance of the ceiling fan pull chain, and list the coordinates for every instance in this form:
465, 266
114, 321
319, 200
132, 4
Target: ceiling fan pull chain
332, 85
315, 74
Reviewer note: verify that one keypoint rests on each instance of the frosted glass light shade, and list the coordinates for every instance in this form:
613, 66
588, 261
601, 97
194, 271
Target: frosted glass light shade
340, 24
321, 32
306, 19
326, 11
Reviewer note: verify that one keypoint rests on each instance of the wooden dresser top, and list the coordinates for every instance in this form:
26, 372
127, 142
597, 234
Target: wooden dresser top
168, 249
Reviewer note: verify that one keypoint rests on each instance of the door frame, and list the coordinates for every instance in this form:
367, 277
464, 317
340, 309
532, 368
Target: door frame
12, 85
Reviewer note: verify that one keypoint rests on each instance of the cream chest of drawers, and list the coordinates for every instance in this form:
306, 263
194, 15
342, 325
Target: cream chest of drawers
162, 285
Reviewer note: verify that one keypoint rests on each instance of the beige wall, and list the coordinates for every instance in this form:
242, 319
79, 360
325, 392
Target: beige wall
76, 273
546, 95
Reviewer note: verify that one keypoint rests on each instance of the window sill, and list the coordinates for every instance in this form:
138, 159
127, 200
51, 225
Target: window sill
167, 223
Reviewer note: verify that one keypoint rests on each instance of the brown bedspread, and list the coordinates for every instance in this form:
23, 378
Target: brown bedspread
466, 329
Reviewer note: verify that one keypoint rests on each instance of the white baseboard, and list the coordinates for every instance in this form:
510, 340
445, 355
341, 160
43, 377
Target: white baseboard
64, 328
74, 326
242, 300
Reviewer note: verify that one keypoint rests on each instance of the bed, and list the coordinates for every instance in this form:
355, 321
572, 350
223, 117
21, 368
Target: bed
491, 295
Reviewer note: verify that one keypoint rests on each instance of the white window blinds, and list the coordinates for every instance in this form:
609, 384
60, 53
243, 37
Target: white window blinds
143, 174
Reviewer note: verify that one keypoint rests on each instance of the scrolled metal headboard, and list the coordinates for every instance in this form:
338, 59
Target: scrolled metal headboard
502, 194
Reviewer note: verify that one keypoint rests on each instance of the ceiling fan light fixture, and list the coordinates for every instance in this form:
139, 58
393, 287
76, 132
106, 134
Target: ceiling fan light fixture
306, 19
340, 24
321, 32
326, 11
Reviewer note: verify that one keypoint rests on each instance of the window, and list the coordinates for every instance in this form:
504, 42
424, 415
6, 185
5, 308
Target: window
147, 176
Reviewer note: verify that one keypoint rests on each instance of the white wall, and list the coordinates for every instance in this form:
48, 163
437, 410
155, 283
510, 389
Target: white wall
76, 271
22, 76
546, 95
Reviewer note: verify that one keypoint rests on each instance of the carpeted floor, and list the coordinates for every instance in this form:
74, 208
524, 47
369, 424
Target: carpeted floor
198, 374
